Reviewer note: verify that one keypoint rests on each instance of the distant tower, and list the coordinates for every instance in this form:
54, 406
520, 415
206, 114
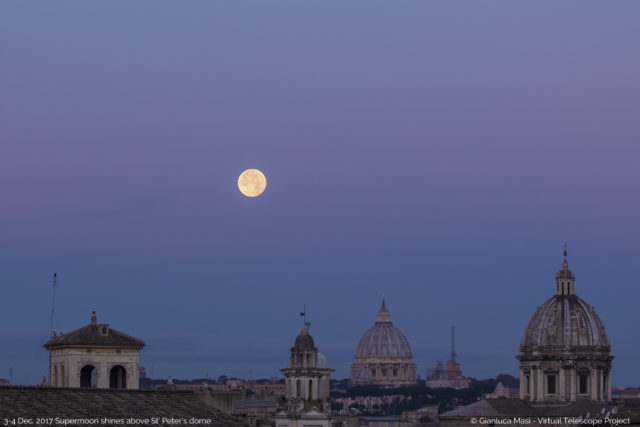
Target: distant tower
565, 353
94, 356
306, 384
450, 377
452, 365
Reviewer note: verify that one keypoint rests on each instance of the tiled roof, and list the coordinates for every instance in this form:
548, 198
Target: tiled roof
242, 404
91, 335
77, 403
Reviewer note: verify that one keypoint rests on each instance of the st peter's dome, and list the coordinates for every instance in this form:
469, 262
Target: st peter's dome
383, 356
383, 339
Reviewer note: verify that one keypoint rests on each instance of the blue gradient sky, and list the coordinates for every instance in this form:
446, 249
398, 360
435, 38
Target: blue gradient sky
437, 153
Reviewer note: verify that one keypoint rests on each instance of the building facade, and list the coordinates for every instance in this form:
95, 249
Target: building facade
94, 356
565, 353
383, 356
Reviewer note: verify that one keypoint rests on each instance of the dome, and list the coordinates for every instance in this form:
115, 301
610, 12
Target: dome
304, 339
565, 320
565, 353
383, 340
323, 363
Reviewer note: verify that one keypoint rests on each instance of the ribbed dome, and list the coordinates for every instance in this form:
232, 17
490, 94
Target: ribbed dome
383, 340
565, 320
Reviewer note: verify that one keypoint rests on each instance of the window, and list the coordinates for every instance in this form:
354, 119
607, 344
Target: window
551, 384
395, 372
384, 372
582, 383
298, 388
373, 372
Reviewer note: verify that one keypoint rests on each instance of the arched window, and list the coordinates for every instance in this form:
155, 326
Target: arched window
118, 377
88, 376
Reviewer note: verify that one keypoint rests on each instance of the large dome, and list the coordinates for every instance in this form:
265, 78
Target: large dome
565, 320
383, 356
565, 353
383, 340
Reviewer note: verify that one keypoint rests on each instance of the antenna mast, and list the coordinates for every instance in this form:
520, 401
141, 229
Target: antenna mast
53, 302
453, 345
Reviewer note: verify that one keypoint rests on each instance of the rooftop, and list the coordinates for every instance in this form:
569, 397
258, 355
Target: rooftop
82, 403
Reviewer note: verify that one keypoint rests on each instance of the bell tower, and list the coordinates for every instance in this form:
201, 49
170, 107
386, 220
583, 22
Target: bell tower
306, 383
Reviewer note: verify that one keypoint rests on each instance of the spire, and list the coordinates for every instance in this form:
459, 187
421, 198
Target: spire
565, 279
383, 314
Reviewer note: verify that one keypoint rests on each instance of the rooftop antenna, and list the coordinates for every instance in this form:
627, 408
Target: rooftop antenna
304, 317
453, 345
53, 302
51, 333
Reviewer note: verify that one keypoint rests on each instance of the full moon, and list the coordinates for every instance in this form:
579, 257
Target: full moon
252, 183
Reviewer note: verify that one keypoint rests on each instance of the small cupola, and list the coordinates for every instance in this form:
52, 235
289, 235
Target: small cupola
565, 279
384, 317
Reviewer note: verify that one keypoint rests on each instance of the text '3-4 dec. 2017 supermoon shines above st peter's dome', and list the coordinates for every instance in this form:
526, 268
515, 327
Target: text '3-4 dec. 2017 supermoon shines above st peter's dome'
252, 183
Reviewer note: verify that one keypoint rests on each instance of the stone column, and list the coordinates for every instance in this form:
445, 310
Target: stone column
594, 384
573, 384
600, 384
540, 385
561, 389
523, 384
102, 380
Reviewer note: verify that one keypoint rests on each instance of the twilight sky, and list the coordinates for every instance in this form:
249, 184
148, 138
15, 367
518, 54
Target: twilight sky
438, 153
